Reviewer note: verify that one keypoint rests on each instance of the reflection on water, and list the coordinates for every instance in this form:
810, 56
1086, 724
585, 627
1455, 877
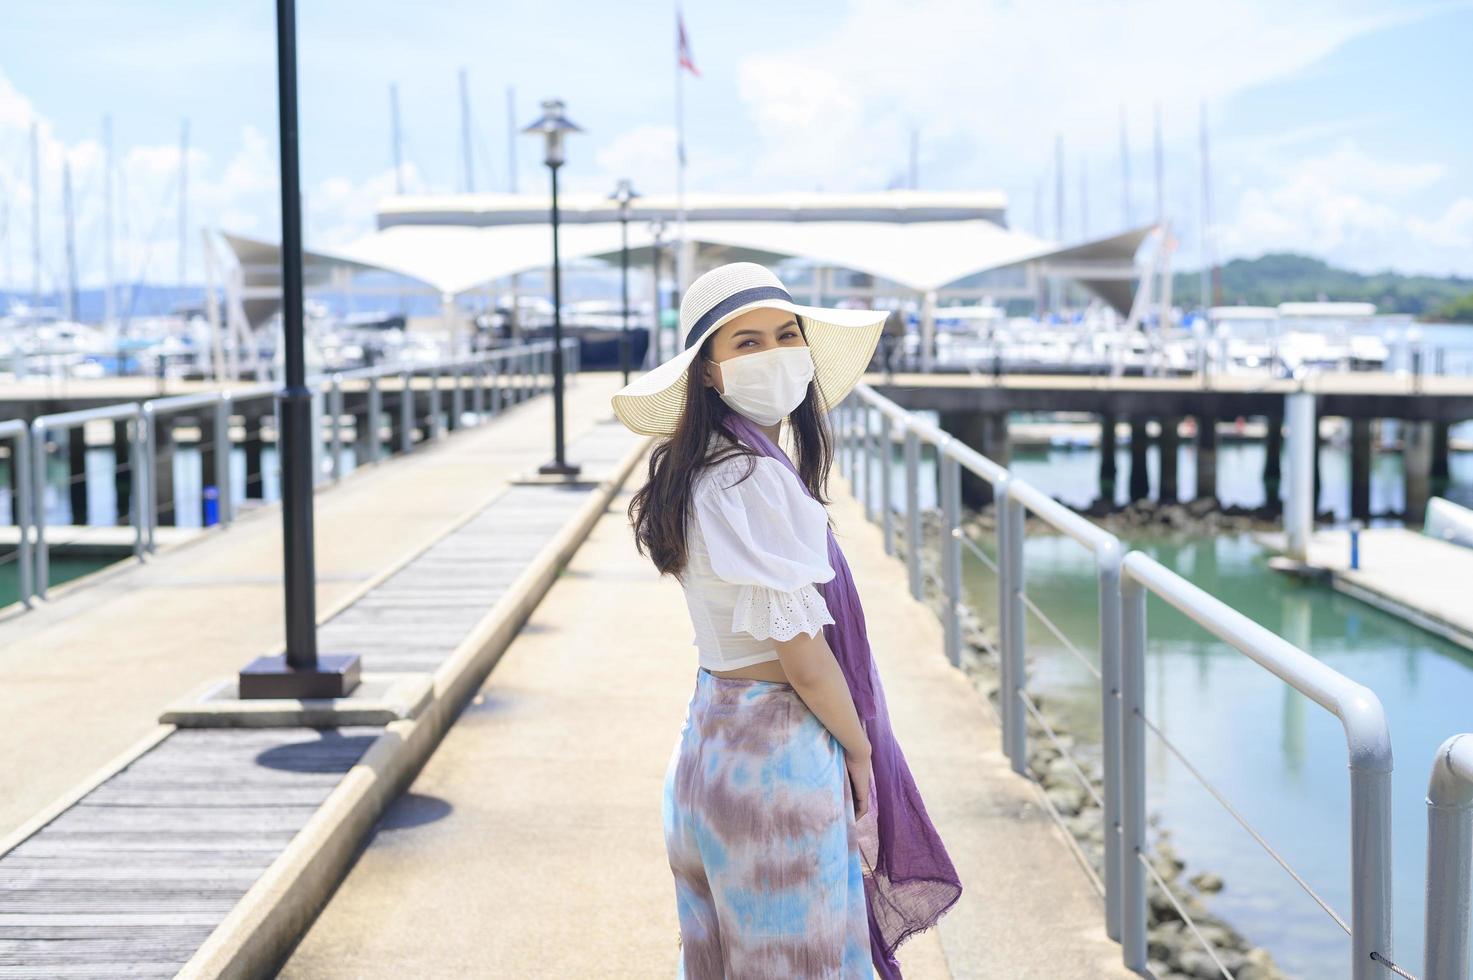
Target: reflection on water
1277, 756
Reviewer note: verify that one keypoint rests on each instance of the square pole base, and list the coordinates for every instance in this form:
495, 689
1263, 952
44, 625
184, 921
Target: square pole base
272, 677
554, 468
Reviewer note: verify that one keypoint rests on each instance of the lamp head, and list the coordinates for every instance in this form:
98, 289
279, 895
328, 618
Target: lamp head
625, 195
552, 126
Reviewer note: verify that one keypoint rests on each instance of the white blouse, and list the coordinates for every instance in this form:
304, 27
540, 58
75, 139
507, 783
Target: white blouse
754, 551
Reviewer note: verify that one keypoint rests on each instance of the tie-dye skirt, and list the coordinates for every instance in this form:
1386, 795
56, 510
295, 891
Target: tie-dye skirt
759, 826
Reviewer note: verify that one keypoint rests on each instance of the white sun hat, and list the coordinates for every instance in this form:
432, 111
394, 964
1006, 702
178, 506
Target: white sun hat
842, 342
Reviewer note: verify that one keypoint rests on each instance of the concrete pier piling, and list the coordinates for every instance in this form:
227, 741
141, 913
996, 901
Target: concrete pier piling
1417, 463
122, 475
163, 470
1273, 461
77, 473
1206, 457
254, 485
1107, 458
987, 433
1360, 469
1140, 479
1441, 472
1169, 448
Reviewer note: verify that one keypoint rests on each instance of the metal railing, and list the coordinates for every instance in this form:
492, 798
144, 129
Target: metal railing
1123, 581
499, 378
1449, 860
20, 505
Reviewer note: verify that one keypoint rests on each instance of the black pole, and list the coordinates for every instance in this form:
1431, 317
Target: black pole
297, 674
624, 262
558, 464
295, 398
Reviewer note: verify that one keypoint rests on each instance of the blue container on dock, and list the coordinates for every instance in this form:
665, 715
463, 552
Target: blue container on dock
212, 506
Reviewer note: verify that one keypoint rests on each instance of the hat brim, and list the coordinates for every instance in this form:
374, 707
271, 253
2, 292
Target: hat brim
842, 343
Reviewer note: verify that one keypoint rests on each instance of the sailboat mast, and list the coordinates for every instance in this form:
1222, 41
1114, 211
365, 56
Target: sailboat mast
394, 138
1083, 198
109, 313
465, 133
183, 199
1124, 170
1059, 188
1160, 168
35, 216
1206, 231
71, 241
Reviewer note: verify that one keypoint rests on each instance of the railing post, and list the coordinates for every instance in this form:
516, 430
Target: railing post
913, 511
223, 499
861, 458
457, 396
478, 389
42, 559
432, 431
375, 409
314, 428
1449, 858
1015, 644
150, 474
23, 504
951, 551
138, 462
1133, 773
335, 439
887, 460
1370, 852
1107, 563
406, 413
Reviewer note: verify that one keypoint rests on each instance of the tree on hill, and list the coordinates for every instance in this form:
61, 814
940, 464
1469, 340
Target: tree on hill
1285, 277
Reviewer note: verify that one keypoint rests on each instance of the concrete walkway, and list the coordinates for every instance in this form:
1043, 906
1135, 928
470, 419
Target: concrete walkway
530, 845
84, 676
1404, 572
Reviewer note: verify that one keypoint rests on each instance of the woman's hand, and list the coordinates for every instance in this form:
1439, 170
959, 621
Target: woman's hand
859, 778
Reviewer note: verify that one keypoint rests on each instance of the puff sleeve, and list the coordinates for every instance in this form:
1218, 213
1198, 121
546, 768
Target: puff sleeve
766, 535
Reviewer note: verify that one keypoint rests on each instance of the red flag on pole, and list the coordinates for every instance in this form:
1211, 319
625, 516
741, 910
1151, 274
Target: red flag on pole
683, 46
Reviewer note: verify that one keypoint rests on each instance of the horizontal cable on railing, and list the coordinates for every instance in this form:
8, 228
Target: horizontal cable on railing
1243, 821
1043, 618
1079, 773
982, 556
1171, 897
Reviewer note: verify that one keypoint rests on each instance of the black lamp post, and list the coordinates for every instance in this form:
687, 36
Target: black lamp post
624, 194
300, 672
552, 126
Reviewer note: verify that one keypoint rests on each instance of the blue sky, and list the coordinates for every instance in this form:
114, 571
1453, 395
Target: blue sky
1337, 128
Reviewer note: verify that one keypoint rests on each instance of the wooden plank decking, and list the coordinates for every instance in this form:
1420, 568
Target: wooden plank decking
131, 879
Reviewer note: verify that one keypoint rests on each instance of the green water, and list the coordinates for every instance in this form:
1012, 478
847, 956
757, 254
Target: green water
1278, 757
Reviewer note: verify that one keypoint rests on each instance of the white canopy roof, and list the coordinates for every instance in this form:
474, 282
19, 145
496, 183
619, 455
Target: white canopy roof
917, 240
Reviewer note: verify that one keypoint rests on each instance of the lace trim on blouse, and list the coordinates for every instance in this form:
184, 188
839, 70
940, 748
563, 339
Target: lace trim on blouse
766, 613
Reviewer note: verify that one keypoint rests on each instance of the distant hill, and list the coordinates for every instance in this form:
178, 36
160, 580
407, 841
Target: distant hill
1285, 277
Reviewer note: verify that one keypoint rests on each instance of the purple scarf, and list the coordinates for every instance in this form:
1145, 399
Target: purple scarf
909, 880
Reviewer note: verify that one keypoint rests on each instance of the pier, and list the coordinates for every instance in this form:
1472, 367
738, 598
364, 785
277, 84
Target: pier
975, 407
496, 779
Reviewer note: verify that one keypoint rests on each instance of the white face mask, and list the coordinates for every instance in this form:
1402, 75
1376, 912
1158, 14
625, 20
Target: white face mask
768, 385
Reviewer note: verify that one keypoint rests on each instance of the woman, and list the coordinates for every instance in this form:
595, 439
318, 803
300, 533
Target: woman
798, 841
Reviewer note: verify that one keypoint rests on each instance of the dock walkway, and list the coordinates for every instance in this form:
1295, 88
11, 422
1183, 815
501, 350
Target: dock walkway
84, 676
1404, 572
153, 867
530, 845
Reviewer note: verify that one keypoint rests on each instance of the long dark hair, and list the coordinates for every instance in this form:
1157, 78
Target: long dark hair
659, 510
